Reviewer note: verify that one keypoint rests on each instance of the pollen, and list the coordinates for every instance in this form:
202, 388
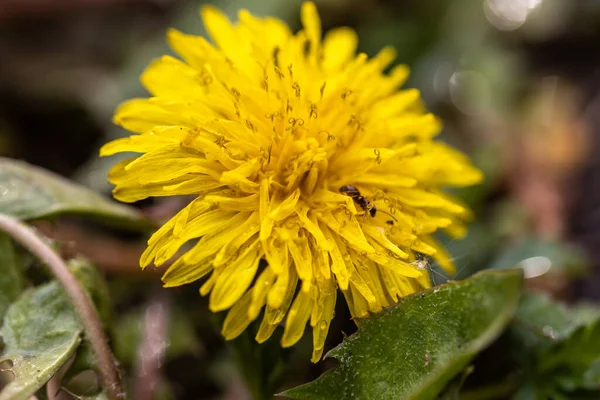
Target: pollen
264, 127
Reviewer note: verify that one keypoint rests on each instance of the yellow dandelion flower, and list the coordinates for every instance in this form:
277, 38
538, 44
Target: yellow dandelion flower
301, 153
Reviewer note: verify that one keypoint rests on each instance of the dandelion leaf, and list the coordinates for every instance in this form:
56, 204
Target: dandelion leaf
41, 332
412, 350
558, 347
30, 192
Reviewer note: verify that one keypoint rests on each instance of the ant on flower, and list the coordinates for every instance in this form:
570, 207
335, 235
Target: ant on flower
363, 202
359, 199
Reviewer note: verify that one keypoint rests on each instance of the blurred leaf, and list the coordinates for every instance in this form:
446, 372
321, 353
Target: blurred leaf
562, 257
557, 348
453, 389
181, 339
539, 319
84, 360
11, 280
99, 396
471, 254
85, 384
31, 192
262, 365
41, 332
412, 350
584, 313
574, 361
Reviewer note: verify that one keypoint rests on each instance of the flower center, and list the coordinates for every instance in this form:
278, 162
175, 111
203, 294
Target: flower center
310, 135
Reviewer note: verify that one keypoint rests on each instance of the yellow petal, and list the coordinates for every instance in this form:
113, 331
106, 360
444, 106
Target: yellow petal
248, 203
282, 288
169, 77
321, 327
303, 262
135, 143
235, 279
396, 104
240, 177
339, 46
347, 227
421, 198
238, 318
246, 232
210, 283
181, 273
143, 115
195, 50
297, 319
338, 266
259, 292
312, 25
274, 315
225, 36
281, 211
378, 234
276, 253
311, 225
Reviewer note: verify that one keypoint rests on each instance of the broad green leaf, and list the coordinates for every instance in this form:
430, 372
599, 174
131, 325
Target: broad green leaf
41, 332
11, 280
30, 192
574, 361
539, 321
412, 350
557, 349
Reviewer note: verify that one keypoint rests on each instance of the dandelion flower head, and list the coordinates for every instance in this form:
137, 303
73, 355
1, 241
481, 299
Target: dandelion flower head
265, 127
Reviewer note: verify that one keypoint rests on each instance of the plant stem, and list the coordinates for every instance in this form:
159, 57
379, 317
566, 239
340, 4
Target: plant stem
92, 325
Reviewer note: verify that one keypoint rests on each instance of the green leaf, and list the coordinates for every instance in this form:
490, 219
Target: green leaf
30, 192
41, 332
539, 321
261, 365
412, 350
181, 336
453, 389
574, 361
11, 279
556, 348
585, 313
537, 256
84, 360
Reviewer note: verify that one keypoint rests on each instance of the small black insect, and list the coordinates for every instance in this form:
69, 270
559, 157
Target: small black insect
359, 199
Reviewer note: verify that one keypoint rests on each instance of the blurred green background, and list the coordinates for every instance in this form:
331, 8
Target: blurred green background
516, 82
